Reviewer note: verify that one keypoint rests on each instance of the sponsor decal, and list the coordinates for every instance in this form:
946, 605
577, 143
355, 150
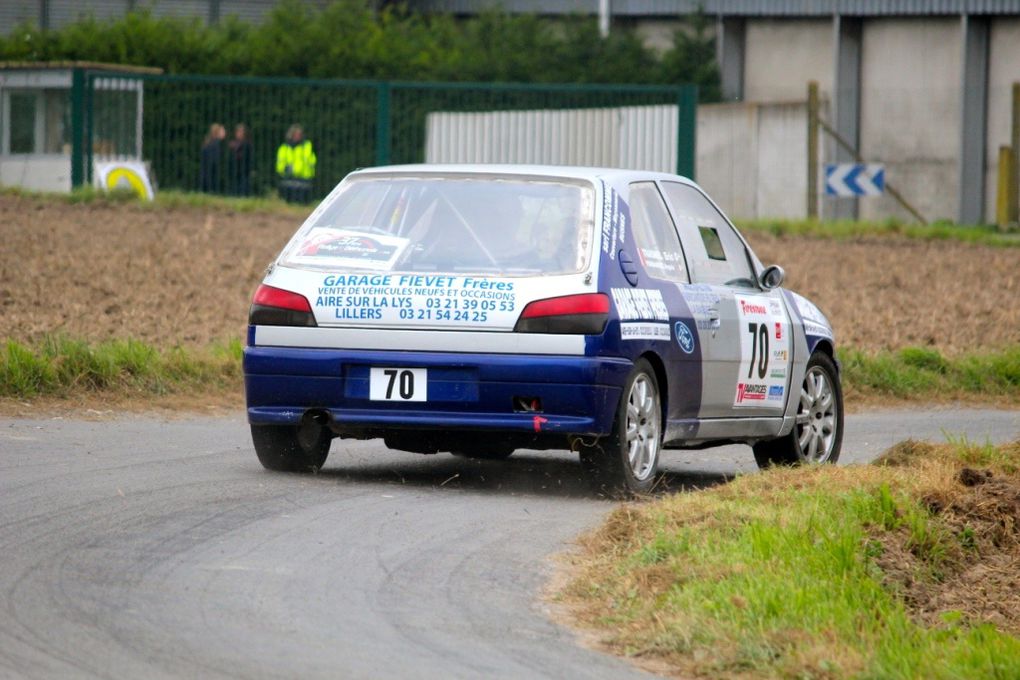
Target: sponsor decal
702, 301
633, 304
751, 392
747, 307
684, 337
644, 331
326, 246
764, 351
815, 322
433, 299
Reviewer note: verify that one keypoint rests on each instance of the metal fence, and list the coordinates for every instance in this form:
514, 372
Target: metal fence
163, 119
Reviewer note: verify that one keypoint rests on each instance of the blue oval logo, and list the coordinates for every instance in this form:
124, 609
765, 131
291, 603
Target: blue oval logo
684, 337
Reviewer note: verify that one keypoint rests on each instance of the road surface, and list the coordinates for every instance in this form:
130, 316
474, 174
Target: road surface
138, 548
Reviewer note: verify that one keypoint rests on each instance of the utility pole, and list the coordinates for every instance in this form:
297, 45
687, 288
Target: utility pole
605, 13
812, 150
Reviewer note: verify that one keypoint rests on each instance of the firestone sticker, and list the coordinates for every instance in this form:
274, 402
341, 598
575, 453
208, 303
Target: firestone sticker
764, 330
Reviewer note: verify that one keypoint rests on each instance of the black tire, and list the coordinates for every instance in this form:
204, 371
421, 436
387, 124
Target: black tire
486, 452
816, 422
609, 461
291, 448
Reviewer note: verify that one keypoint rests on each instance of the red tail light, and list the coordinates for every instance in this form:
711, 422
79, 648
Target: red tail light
277, 307
584, 314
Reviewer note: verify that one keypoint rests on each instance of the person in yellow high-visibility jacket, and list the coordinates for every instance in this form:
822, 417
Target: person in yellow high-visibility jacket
295, 166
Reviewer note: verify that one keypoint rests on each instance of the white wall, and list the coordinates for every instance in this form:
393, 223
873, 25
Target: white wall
910, 113
36, 173
637, 137
752, 158
781, 56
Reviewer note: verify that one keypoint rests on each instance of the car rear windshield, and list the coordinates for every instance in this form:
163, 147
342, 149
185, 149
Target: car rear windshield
508, 226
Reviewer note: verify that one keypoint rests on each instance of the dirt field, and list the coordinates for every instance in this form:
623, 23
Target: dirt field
186, 277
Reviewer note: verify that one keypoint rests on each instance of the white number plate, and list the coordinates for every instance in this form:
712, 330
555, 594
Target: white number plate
398, 384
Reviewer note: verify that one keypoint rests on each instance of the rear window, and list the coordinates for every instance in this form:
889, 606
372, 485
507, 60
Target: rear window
492, 225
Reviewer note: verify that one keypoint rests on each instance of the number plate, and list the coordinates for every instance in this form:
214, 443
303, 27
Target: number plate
398, 384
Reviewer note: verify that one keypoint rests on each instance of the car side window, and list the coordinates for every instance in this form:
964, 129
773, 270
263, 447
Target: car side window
715, 253
656, 238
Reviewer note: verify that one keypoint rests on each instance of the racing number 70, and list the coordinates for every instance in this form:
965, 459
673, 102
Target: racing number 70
759, 348
402, 380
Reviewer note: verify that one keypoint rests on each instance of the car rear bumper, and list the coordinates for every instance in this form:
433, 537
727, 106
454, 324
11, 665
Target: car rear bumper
466, 391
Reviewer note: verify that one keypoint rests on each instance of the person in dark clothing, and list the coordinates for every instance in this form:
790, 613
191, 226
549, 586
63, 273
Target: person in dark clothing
209, 171
240, 161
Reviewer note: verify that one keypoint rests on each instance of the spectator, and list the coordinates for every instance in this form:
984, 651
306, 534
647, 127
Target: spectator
295, 166
240, 161
209, 170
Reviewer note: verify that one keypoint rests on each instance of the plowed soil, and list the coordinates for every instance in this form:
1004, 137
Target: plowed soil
185, 277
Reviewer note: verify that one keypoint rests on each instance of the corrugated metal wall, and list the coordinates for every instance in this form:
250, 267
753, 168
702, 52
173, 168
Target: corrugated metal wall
636, 137
751, 8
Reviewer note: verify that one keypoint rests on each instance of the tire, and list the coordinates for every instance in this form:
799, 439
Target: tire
627, 461
817, 435
291, 448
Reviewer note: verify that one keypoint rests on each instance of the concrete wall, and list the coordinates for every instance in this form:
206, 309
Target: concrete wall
910, 113
36, 173
1003, 71
782, 56
752, 158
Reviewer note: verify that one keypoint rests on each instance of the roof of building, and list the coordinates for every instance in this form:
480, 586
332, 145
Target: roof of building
735, 8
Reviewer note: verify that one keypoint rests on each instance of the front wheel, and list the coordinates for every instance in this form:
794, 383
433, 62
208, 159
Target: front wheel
627, 461
291, 448
817, 434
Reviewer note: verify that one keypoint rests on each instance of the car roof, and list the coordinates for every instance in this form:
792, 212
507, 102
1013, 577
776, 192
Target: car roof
612, 175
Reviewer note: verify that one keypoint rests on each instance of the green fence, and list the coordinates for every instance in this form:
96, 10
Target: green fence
163, 119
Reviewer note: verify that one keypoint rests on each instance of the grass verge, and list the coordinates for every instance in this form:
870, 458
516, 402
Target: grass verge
905, 569
852, 229
169, 199
917, 373
59, 365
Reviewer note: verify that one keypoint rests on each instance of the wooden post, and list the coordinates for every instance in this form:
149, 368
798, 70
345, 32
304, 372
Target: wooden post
1005, 198
812, 150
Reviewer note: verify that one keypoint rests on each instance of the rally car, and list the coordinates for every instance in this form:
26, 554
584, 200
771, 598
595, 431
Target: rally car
478, 309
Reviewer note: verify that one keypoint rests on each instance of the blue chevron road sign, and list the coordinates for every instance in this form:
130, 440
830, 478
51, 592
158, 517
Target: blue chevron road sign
854, 179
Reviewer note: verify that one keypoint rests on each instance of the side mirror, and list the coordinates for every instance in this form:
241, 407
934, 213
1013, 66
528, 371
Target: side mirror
772, 277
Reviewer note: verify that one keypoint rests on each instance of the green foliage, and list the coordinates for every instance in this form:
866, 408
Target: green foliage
781, 575
349, 39
850, 229
59, 365
923, 373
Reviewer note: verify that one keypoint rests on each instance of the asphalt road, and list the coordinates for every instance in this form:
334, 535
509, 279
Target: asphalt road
139, 548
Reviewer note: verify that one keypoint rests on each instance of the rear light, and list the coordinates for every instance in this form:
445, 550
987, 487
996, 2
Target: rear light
583, 314
277, 307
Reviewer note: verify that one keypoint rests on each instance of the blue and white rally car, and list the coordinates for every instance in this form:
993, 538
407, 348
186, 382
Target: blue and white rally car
480, 309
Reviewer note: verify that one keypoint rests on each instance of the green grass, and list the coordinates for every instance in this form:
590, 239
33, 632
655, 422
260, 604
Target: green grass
60, 365
850, 229
923, 373
168, 199
779, 575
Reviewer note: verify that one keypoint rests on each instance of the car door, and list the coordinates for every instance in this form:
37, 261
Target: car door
665, 268
744, 330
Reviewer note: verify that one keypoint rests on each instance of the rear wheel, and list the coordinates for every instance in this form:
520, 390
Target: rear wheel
291, 448
817, 434
627, 461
